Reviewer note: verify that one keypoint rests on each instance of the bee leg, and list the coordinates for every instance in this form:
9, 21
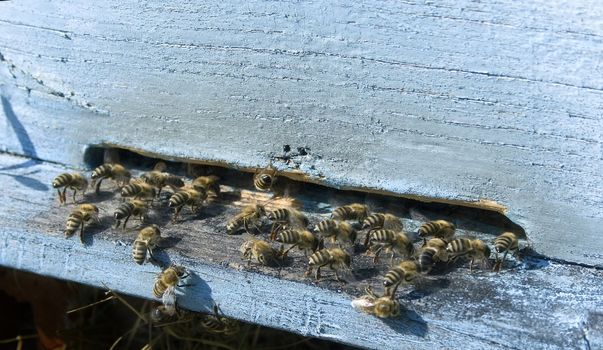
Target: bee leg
117, 223
287, 251
317, 273
176, 212
74, 192
97, 187
64, 195
367, 238
471, 265
126, 221
391, 259
394, 290
376, 258
82, 232
337, 276
159, 192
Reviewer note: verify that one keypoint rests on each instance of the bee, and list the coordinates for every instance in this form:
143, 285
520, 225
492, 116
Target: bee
406, 271
504, 243
476, 249
337, 230
138, 189
166, 283
381, 306
73, 181
113, 171
434, 251
79, 217
335, 258
392, 241
354, 211
380, 221
265, 179
208, 184
259, 250
159, 180
437, 228
132, 207
190, 197
147, 240
284, 218
249, 215
219, 324
303, 239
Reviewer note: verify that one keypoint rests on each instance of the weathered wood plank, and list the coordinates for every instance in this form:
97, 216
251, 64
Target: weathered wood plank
461, 101
538, 304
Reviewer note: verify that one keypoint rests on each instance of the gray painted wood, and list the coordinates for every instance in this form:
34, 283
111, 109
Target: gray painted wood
491, 103
538, 304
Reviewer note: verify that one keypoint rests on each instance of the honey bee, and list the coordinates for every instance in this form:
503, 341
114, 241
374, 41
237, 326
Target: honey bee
208, 184
334, 258
73, 181
406, 271
189, 196
138, 189
504, 243
337, 230
381, 306
259, 250
219, 324
392, 241
434, 251
284, 218
146, 241
303, 239
79, 217
354, 211
113, 171
265, 179
437, 228
160, 179
132, 207
380, 221
166, 283
249, 215
476, 249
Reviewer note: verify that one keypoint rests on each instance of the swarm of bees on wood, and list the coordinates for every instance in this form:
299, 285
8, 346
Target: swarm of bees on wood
329, 243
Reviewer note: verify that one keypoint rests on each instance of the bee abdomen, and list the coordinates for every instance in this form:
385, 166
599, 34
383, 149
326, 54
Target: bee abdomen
139, 252
459, 246
124, 210
174, 181
374, 221
393, 276
179, 199
73, 223
327, 227
383, 236
281, 214
62, 180
159, 288
427, 259
504, 242
288, 236
427, 229
131, 190
263, 181
102, 171
321, 257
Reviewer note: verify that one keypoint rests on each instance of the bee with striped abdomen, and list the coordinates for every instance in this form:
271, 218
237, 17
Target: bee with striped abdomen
335, 258
284, 218
406, 271
160, 179
208, 184
147, 240
73, 181
190, 197
250, 215
340, 231
475, 249
79, 217
217, 323
138, 189
392, 241
381, 306
354, 211
432, 252
265, 179
504, 243
437, 228
166, 283
301, 238
379, 221
113, 171
261, 251
132, 207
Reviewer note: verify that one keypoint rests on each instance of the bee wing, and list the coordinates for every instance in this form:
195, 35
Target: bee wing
395, 225
363, 304
169, 298
111, 156
347, 274
416, 215
160, 166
